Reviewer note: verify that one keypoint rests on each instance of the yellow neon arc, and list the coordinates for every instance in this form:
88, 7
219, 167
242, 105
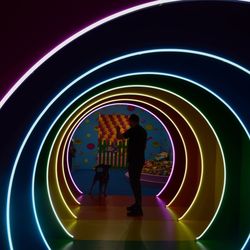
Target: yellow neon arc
53, 160
133, 93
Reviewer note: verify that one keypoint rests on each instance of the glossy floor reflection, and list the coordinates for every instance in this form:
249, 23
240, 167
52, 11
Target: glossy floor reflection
105, 218
103, 224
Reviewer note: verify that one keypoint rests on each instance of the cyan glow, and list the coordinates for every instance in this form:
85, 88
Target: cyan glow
245, 244
102, 65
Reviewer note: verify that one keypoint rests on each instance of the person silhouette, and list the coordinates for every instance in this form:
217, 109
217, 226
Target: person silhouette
137, 140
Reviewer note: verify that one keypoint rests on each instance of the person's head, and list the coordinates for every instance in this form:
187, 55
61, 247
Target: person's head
134, 120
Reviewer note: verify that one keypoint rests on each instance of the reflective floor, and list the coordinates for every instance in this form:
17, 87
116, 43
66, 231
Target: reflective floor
103, 224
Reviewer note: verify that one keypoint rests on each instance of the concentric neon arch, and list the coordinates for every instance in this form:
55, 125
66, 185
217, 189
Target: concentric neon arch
118, 104
110, 62
173, 108
102, 107
104, 99
92, 104
102, 65
55, 52
110, 104
78, 121
65, 90
91, 111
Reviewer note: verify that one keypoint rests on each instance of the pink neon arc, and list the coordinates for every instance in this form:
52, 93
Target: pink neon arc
69, 172
137, 106
108, 18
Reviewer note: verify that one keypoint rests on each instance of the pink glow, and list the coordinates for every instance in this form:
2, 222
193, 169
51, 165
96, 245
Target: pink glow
115, 104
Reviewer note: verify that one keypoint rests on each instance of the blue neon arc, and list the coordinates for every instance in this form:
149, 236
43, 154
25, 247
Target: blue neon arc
59, 47
156, 73
103, 65
138, 106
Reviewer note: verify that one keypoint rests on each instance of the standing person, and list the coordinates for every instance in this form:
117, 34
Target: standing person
137, 139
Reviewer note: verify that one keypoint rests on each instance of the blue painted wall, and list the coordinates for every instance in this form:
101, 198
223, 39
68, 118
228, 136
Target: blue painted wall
86, 135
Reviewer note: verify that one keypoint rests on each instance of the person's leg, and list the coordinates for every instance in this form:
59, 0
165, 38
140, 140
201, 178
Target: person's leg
135, 174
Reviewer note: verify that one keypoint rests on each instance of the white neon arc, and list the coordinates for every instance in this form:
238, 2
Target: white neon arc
245, 244
77, 35
84, 31
163, 50
33, 127
96, 68
146, 86
78, 120
110, 103
60, 46
91, 111
89, 72
130, 99
56, 177
224, 163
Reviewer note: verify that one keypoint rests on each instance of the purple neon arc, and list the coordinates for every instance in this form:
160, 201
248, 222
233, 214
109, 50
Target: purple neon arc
137, 106
69, 172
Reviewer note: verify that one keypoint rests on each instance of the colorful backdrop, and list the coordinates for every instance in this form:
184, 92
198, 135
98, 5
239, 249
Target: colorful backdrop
86, 135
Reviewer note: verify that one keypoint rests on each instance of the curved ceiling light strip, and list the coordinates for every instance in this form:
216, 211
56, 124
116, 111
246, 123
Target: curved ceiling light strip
86, 114
41, 114
54, 186
100, 108
100, 97
77, 35
79, 119
8, 192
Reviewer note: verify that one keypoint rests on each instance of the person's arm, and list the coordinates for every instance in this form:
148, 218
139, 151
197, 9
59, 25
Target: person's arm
119, 136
